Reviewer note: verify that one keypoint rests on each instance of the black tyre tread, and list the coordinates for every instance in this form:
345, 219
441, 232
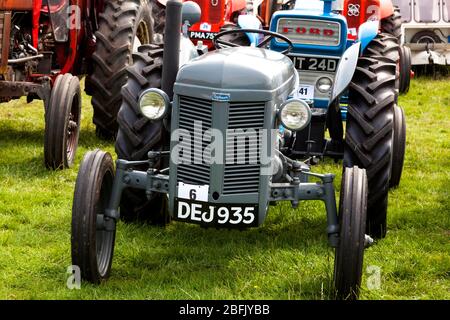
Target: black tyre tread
113, 55
82, 249
399, 147
369, 128
393, 24
387, 46
137, 135
56, 120
352, 221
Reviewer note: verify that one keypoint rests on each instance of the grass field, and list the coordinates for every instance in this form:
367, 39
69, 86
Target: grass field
286, 258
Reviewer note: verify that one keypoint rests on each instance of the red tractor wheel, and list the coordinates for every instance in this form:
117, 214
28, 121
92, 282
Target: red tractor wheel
62, 122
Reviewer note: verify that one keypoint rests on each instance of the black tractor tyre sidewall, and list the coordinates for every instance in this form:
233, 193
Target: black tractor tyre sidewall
94, 167
65, 93
405, 69
106, 85
399, 147
349, 255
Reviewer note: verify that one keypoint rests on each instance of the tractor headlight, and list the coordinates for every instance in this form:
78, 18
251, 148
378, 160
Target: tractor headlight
324, 84
154, 104
295, 114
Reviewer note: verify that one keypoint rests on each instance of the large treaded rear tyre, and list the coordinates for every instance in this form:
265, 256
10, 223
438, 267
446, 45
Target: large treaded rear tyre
348, 262
393, 24
62, 122
387, 46
121, 24
91, 241
369, 132
137, 135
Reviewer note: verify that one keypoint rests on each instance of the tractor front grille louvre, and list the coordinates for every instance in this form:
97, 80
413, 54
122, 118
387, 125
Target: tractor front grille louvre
242, 171
191, 110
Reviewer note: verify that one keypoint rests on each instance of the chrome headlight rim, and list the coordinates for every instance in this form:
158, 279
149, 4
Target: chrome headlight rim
305, 107
330, 83
165, 101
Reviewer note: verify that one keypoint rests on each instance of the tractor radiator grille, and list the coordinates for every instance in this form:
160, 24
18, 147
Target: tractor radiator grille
193, 113
242, 167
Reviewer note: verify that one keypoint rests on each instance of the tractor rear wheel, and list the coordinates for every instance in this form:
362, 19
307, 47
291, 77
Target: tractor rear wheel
93, 234
137, 135
387, 46
393, 24
348, 261
62, 122
369, 132
399, 146
123, 26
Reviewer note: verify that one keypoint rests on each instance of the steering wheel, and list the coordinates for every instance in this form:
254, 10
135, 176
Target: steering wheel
268, 36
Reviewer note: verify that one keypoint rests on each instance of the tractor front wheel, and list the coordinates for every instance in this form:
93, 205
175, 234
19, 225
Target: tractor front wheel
93, 234
399, 146
62, 122
348, 262
405, 69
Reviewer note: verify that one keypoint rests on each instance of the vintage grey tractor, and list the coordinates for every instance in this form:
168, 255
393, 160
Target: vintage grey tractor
199, 141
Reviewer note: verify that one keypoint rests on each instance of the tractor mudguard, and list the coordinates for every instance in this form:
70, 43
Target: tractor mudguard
249, 21
345, 70
386, 8
367, 32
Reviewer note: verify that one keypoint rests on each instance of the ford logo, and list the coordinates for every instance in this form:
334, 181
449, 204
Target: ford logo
220, 97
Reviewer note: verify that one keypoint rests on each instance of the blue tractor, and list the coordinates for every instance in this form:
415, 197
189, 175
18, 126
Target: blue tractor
374, 138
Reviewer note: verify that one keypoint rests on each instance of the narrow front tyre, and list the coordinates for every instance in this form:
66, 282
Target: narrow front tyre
398, 147
93, 233
62, 122
348, 262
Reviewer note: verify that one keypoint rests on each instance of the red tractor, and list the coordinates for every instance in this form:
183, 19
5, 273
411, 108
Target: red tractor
359, 11
220, 15
46, 45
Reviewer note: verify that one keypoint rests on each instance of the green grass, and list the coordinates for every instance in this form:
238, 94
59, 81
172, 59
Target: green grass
286, 258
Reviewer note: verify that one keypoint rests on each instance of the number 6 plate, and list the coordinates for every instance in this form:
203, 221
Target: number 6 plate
193, 192
219, 215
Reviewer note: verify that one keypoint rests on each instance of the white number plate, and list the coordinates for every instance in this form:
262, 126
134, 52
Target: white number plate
220, 215
193, 192
305, 91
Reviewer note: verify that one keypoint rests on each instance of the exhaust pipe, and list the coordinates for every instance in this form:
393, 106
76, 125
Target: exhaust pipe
172, 38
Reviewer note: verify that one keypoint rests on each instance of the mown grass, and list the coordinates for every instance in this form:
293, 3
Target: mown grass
286, 258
